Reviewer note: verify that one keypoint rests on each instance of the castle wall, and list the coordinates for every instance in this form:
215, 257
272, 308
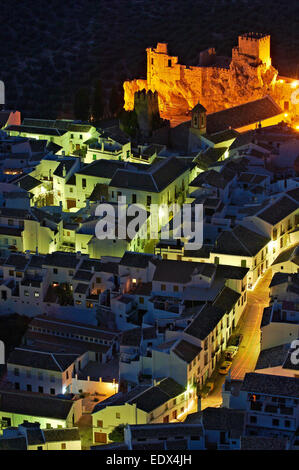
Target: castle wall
256, 47
180, 87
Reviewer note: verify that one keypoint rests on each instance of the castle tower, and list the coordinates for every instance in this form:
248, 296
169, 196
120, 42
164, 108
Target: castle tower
199, 118
257, 46
147, 110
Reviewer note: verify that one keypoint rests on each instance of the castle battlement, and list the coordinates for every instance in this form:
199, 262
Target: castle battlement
255, 36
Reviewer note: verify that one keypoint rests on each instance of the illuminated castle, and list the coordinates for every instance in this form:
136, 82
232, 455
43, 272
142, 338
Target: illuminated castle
217, 82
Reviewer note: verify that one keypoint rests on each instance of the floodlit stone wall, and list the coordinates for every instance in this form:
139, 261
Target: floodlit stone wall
249, 76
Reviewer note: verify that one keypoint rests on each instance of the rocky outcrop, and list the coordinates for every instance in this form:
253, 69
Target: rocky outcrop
180, 88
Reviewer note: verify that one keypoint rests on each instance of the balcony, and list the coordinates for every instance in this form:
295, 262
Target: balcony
256, 406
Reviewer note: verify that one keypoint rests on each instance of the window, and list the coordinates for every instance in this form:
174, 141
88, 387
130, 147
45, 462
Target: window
36, 294
94, 157
6, 421
175, 288
99, 423
206, 359
17, 386
63, 446
40, 389
148, 200
11, 272
29, 388
253, 419
98, 280
117, 415
163, 287
55, 271
83, 183
216, 260
169, 62
275, 422
287, 423
52, 391
3, 295
243, 263
141, 300
16, 372
134, 198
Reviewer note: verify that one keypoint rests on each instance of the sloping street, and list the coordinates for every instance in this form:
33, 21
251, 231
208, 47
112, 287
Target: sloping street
249, 328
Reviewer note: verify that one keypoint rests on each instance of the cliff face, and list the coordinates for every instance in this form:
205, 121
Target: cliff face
237, 85
130, 88
180, 88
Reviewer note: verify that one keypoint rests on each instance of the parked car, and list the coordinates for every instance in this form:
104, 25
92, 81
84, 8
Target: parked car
224, 368
230, 352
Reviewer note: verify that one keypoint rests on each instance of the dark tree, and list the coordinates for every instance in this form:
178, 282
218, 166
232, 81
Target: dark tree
116, 101
82, 105
117, 435
97, 101
129, 122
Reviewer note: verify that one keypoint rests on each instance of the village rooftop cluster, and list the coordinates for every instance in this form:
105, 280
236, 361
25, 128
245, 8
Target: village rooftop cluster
141, 343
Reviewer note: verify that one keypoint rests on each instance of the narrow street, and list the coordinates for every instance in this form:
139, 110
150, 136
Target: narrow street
249, 327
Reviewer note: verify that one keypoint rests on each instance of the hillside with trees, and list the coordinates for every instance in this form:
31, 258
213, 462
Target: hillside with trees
56, 53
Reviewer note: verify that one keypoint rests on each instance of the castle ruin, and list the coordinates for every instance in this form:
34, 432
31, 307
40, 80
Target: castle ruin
217, 82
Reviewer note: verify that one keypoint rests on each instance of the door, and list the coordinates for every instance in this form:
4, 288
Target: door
71, 203
100, 437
